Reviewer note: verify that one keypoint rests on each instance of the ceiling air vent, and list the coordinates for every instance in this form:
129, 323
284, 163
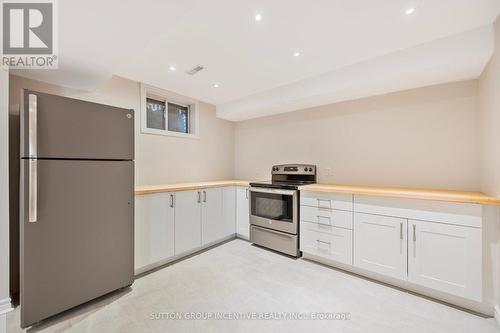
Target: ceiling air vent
195, 70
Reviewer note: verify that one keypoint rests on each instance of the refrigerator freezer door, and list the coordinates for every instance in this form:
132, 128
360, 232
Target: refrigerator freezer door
65, 128
81, 245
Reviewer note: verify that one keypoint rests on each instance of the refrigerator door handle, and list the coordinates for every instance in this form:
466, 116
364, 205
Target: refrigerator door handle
32, 191
32, 125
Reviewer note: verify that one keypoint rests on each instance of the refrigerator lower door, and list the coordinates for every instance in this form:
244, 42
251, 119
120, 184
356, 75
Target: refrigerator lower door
77, 233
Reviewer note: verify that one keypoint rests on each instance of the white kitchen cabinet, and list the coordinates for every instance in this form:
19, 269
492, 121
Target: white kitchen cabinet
380, 244
242, 212
154, 228
187, 220
445, 257
211, 215
228, 211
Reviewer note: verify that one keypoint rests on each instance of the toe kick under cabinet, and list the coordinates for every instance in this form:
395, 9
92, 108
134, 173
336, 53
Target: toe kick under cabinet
435, 245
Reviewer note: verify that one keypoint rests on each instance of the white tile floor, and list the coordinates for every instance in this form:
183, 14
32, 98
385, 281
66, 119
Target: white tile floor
239, 277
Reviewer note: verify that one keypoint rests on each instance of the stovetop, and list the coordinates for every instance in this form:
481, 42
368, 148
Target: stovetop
288, 185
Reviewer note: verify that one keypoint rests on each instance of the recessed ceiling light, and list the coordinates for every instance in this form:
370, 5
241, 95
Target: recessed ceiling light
296, 54
216, 85
172, 68
258, 17
410, 11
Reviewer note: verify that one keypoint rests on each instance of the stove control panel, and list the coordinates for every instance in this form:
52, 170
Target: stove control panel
294, 169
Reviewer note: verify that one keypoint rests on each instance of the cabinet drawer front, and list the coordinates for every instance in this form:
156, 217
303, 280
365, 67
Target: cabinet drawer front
336, 245
326, 200
326, 219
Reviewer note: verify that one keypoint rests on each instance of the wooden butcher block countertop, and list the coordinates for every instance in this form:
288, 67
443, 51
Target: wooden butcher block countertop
382, 191
407, 193
151, 189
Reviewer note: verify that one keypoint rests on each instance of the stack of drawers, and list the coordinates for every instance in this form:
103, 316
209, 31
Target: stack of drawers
326, 221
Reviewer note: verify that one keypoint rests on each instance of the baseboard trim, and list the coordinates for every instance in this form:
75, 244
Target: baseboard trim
496, 314
5, 306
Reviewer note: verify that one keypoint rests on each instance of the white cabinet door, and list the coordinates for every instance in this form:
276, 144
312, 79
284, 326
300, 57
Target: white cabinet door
242, 212
187, 221
445, 257
211, 215
154, 228
228, 211
380, 244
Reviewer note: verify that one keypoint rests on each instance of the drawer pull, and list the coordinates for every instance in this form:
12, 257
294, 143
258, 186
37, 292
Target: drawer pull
323, 242
329, 203
401, 231
325, 217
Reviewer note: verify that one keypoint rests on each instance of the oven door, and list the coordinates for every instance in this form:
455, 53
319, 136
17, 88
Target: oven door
274, 209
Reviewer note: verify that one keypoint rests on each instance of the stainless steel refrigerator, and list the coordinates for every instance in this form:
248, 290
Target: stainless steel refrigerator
76, 203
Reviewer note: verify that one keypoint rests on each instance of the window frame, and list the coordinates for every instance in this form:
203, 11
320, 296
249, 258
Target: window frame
169, 97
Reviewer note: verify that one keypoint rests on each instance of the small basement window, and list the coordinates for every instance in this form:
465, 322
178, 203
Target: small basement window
178, 118
165, 113
155, 114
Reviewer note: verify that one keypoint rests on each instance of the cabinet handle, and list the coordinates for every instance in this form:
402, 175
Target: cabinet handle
32, 190
204, 196
401, 231
246, 193
172, 200
324, 242
414, 241
199, 196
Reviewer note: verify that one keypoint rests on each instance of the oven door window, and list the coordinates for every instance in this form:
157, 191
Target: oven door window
272, 206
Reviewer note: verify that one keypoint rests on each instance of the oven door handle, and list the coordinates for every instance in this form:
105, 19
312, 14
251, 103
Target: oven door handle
272, 190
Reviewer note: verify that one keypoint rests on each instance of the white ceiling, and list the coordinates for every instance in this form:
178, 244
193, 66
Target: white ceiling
349, 48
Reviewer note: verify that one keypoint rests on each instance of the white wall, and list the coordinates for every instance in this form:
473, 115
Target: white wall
489, 115
426, 137
159, 159
489, 106
4, 197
